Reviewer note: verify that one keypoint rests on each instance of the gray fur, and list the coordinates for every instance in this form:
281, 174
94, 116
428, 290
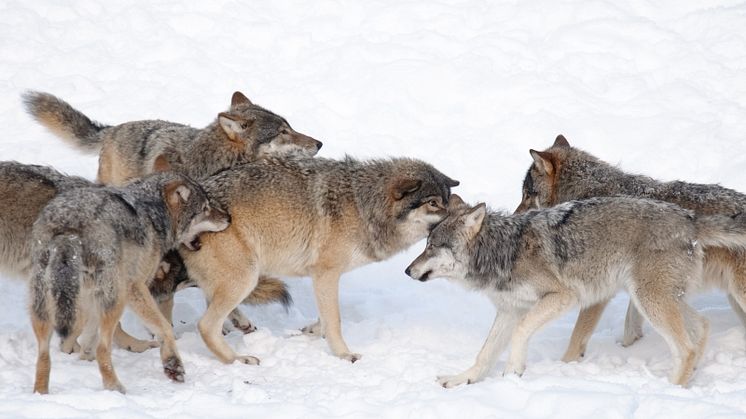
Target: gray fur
317, 217
577, 174
24, 191
130, 150
95, 249
579, 253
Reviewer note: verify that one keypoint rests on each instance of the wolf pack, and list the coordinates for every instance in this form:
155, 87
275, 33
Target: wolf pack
231, 207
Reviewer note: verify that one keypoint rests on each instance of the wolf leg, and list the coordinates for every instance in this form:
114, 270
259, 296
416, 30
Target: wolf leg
491, 350
665, 315
43, 333
126, 341
547, 308
326, 290
166, 307
142, 303
109, 320
587, 321
632, 325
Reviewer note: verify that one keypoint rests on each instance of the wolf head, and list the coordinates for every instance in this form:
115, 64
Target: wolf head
191, 212
540, 183
418, 196
446, 253
261, 132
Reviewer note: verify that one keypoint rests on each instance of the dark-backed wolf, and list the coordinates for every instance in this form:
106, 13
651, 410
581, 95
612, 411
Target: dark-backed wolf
95, 250
131, 150
314, 217
26, 189
537, 265
562, 173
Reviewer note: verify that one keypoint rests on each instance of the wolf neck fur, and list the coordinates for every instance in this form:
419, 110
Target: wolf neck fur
589, 177
494, 250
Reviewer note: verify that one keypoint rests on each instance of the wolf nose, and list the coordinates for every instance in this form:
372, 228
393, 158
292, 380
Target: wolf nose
318, 145
408, 271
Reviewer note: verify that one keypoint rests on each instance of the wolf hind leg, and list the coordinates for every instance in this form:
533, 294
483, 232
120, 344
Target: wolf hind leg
43, 333
587, 321
665, 314
547, 308
632, 325
109, 320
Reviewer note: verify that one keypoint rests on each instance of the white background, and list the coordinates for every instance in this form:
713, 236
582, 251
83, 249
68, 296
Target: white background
658, 87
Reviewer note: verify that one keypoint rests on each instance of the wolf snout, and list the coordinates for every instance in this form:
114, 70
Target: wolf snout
408, 271
318, 145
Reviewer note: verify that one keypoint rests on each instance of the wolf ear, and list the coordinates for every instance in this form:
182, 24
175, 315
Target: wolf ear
404, 186
543, 161
452, 182
474, 218
161, 164
239, 98
455, 202
232, 125
176, 193
561, 141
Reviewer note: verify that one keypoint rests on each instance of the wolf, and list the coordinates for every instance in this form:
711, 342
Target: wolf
314, 217
562, 173
131, 150
94, 250
246, 132
25, 189
536, 265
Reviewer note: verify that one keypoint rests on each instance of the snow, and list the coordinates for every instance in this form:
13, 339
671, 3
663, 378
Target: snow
469, 85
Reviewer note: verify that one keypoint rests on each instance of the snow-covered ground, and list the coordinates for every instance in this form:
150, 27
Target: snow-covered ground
659, 87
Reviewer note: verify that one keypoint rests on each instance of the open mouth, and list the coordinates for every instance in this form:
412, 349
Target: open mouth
194, 245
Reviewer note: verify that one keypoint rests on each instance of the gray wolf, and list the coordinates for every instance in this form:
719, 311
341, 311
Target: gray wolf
562, 173
94, 250
314, 217
26, 189
131, 150
128, 151
537, 265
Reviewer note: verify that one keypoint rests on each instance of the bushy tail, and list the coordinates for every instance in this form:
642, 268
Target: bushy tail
64, 274
269, 290
64, 121
722, 231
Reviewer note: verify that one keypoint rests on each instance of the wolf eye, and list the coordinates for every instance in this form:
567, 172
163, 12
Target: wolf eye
284, 131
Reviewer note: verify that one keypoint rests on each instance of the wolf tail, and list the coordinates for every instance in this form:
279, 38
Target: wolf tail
270, 290
64, 276
64, 121
722, 231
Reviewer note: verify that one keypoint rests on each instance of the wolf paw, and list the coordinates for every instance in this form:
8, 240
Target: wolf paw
450, 381
314, 329
174, 369
87, 355
351, 357
246, 328
514, 369
141, 345
116, 386
631, 337
248, 359
69, 346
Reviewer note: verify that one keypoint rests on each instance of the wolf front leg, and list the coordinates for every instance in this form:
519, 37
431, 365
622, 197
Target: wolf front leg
547, 308
632, 325
584, 326
491, 350
142, 303
326, 290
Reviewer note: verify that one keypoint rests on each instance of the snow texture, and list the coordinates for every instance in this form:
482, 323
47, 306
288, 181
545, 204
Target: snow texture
468, 85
